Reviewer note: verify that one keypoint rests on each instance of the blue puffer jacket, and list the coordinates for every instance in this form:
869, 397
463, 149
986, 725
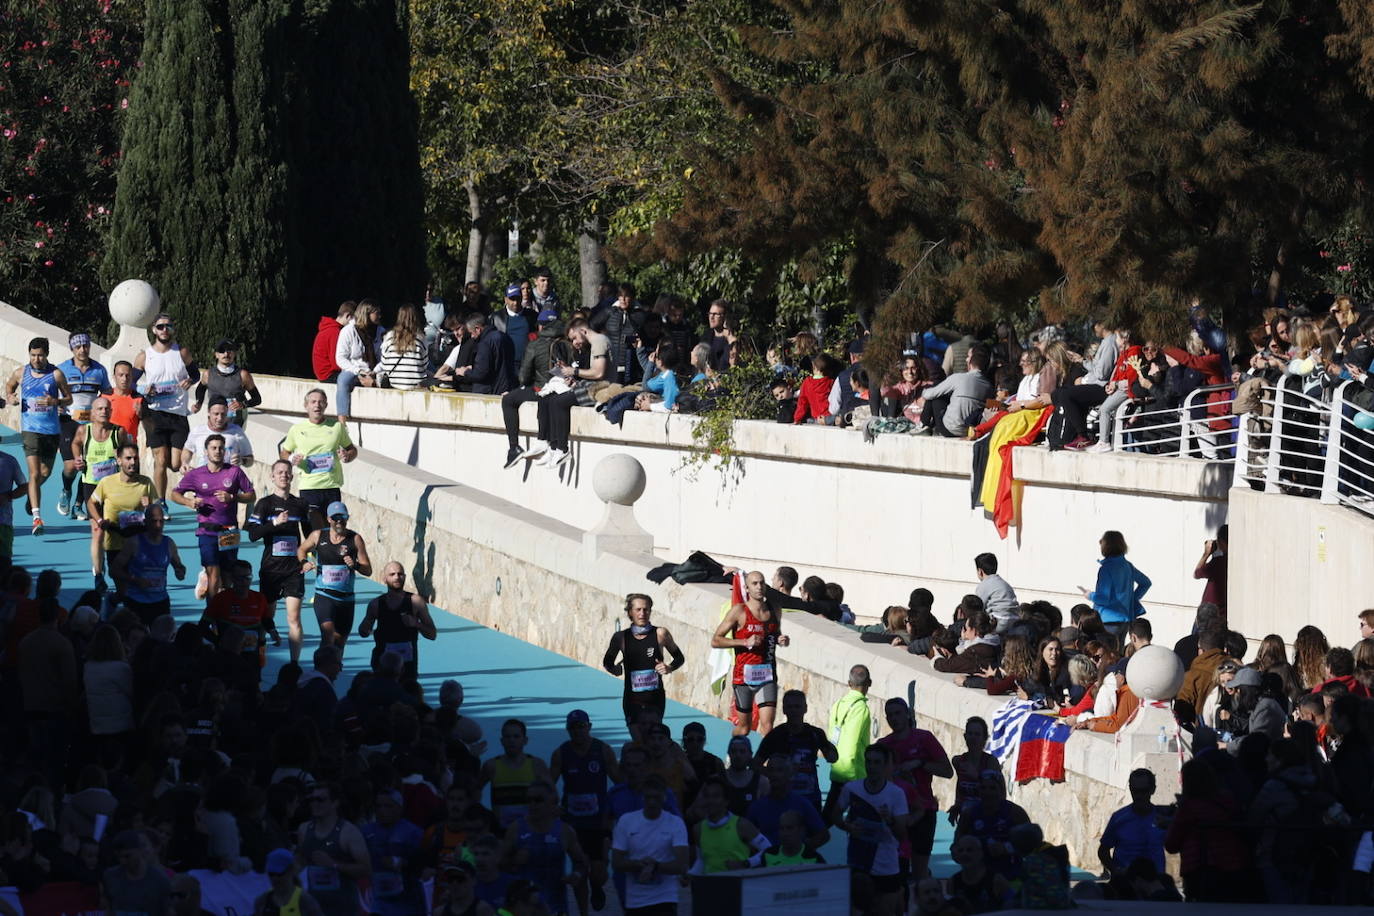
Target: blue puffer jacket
1120, 586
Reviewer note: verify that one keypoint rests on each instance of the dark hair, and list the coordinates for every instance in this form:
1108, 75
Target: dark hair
214, 437
517, 723
541, 272
920, 597
787, 576
979, 357
217, 400
986, 564
1341, 662
826, 365
1141, 628
1113, 544
834, 591
39, 343
814, 586
1208, 640
124, 362
881, 749
981, 622
694, 728
668, 355
970, 605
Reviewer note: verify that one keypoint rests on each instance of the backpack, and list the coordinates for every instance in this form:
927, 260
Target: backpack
1057, 432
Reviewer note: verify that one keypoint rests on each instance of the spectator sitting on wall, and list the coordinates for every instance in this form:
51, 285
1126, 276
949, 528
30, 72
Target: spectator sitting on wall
980, 650
326, 339
493, 360
952, 406
813, 401
516, 320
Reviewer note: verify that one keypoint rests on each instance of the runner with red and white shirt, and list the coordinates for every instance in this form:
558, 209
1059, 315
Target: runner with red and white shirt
754, 631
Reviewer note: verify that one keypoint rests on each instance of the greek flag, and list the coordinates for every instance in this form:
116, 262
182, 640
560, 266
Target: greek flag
1007, 724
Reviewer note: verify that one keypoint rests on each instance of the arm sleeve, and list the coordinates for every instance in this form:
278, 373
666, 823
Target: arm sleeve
612, 650
1142, 583
678, 658
201, 388
800, 413
940, 389
254, 397
481, 370
526, 375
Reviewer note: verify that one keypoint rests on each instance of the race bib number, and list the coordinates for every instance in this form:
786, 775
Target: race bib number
335, 576
229, 540
102, 469
163, 392
250, 641
130, 518
31, 407
319, 464
322, 878
81, 414
757, 675
641, 681
583, 804
405, 650
285, 546
387, 884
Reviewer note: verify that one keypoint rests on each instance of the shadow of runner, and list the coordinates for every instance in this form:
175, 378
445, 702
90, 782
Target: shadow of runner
422, 573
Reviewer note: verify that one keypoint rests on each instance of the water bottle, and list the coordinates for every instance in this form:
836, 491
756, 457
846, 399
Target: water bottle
1163, 740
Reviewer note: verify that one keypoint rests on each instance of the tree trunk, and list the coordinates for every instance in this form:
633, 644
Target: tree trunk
497, 244
592, 263
476, 235
1275, 285
537, 244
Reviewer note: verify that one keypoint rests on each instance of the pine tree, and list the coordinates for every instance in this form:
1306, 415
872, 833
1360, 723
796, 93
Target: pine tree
1113, 160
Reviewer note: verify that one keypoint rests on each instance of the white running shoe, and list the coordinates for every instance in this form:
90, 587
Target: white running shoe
538, 449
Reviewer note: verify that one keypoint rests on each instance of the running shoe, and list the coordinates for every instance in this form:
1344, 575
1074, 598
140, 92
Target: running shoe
37, 529
537, 450
64, 502
557, 457
513, 455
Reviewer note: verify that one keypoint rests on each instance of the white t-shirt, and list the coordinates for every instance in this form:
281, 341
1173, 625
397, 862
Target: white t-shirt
640, 837
873, 847
236, 444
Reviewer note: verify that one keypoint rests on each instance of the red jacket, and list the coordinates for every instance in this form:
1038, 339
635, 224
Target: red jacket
813, 399
1352, 685
1213, 369
322, 353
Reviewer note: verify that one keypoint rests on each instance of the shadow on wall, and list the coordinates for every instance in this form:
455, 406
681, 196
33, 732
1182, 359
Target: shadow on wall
422, 573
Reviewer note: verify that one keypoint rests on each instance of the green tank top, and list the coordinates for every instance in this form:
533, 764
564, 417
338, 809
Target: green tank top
771, 859
722, 844
100, 456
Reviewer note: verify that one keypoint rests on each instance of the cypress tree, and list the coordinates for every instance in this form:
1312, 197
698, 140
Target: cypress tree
271, 168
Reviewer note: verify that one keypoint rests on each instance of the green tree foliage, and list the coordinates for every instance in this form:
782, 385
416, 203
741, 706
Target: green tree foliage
1118, 159
64, 76
270, 168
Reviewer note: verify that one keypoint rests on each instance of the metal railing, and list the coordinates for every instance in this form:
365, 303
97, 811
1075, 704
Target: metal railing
1186, 431
1317, 445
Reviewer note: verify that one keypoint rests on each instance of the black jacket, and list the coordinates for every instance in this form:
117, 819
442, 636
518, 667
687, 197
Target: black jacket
493, 363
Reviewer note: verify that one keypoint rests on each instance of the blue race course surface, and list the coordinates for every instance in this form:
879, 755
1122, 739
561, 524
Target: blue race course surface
503, 677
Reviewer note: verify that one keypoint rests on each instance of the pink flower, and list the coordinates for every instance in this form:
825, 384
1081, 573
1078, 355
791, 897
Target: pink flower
1343, 267
123, 103
1324, 254
47, 263
39, 244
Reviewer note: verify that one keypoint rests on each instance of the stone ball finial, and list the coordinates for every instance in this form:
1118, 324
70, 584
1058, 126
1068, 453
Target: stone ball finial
1155, 673
619, 479
134, 303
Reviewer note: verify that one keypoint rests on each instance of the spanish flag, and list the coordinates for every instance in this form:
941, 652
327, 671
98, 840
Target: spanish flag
1001, 494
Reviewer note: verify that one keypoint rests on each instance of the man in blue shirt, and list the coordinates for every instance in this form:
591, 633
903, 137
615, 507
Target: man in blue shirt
515, 322
87, 380
1132, 832
766, 811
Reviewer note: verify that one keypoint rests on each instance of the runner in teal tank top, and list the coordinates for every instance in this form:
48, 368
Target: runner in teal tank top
42, 389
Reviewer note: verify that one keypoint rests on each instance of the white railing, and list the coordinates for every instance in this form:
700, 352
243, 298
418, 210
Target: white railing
1312, 446
1185, 431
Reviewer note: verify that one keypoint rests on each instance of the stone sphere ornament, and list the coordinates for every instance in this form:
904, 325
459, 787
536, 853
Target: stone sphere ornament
134, 303
1155, 673
619, 479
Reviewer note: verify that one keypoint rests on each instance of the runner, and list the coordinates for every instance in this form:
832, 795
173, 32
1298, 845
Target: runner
802, 743
227, 382
214, 492
167, 373
341, 554
649, 845
640, 654
238, 451
394, 844
278, 521
757, 633
12, 486
401, 618
93, 449
536, 845
240, 607
140, 567
917, 757
587, 766
87, 380
333, 853
743, 782
126, 406
704, 763
43, 389
724, 840
511, 773
791, 848
319, 445
118, 504
874, 813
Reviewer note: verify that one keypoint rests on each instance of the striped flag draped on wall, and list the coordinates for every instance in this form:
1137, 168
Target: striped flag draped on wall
1033, 743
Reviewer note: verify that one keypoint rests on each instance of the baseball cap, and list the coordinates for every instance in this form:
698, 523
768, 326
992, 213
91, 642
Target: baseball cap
1245, 677
279, 861
335, 509
548, 315
513, 291
225, 345
579, 715
463, 865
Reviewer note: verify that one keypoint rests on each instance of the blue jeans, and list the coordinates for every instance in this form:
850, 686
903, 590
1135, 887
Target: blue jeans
343, 392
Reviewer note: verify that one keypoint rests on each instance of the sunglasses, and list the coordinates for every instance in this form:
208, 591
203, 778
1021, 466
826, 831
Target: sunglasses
162, 327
